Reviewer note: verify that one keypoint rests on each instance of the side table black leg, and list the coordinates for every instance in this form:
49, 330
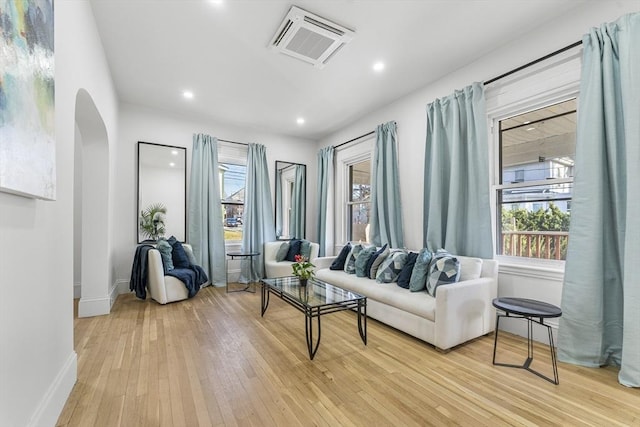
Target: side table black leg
264, 299
362, 330
495, 339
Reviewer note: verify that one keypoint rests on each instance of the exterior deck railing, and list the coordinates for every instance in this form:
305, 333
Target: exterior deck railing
535, 244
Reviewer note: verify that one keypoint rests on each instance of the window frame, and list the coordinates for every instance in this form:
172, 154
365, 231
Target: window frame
349, 193
554, 80
234, 154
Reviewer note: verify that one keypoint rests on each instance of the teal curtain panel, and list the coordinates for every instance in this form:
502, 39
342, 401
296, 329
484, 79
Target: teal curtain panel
600, 324
298, 200
457, 213
204, 216
324, 228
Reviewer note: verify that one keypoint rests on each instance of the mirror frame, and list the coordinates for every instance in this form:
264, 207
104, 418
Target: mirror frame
275, 197
139, 238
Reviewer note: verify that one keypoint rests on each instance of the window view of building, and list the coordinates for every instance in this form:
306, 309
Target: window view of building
537, 153
232, 194
359, 203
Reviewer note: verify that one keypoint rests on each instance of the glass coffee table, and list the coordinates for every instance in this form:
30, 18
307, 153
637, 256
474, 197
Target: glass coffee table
315, 299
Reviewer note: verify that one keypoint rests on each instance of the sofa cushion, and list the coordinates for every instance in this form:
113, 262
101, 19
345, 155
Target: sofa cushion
281, 255
362, 260
421, 303
294, 249
444, 269
376, 260
350, 263
338, 263
165, 252
407, 270
470, 268
420, 271
392, 266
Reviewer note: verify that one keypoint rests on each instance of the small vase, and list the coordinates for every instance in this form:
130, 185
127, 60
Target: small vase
303, 282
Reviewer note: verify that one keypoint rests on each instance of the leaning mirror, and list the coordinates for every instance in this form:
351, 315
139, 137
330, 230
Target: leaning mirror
162, 189
291, 199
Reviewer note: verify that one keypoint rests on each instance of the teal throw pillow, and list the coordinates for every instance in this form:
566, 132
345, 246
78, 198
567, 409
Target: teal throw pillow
362, 260
418, 280
281, 255
405, 275
444, 269
392, 266
305, 249
376, 260
165, 252
350, 263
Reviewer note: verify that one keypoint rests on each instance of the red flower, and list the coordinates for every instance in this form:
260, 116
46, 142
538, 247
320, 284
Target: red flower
298, 258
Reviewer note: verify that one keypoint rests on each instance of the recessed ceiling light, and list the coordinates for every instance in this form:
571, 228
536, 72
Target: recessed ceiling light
300, 120
378, 66
174, 152
172, 164
217, 3
187, 94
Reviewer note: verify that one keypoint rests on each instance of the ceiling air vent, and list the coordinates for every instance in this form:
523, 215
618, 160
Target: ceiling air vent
310, 37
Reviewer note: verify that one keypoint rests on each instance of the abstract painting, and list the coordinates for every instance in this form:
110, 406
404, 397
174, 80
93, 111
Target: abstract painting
27, 107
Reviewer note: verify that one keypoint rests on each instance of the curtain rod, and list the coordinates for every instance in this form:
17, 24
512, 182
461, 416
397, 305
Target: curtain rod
522, 67
358, 137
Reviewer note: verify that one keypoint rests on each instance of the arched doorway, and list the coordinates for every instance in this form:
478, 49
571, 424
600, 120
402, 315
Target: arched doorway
91, 208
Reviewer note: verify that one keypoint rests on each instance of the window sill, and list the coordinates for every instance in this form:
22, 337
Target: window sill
540, 269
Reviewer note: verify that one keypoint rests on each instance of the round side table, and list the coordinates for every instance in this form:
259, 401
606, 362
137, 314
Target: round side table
242, 255
535, 312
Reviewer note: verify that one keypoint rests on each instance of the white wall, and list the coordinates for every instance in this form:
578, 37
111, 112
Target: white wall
143, 124
37, 357
410, 114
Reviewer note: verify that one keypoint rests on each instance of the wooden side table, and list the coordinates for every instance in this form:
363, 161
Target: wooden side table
535, 312
242, 255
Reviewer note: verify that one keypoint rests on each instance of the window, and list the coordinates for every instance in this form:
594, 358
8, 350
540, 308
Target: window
536, 163
359, 200
232, 179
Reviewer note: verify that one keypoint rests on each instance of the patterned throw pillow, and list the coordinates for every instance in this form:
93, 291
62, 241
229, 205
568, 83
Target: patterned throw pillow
165, 251
376, 260
338, 263
362, 260
281, 255
444, 269
392, 266
294, 249
407, 270
420, 271
350, 263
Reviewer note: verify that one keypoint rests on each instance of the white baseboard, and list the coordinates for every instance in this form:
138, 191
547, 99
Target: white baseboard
77, 290
89, 307
233, 275
52, 403
123, 286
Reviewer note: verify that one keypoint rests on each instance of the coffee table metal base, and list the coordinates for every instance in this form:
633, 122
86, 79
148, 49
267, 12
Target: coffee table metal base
360, 306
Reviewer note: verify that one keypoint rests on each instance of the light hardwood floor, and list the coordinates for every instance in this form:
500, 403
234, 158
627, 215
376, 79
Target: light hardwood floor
213, 361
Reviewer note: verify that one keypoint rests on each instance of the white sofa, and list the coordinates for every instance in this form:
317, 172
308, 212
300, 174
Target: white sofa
460, 311
163, 289
274, 268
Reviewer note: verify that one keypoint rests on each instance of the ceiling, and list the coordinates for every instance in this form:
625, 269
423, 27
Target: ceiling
219, 50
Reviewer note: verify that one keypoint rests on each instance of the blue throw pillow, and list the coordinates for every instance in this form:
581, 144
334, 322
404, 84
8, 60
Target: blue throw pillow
362, 260
165, 252
338, 263
350, 263
444, 269
178, 255
305, 249
405, 275
418, 280
294, 249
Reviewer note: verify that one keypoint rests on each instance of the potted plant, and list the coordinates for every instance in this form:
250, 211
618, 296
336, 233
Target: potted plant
302, 269
152, 221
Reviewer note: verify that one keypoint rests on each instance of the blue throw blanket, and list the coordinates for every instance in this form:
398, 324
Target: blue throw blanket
193, 277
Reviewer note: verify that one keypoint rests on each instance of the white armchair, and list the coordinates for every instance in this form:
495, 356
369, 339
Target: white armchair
163, 289
274, 268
